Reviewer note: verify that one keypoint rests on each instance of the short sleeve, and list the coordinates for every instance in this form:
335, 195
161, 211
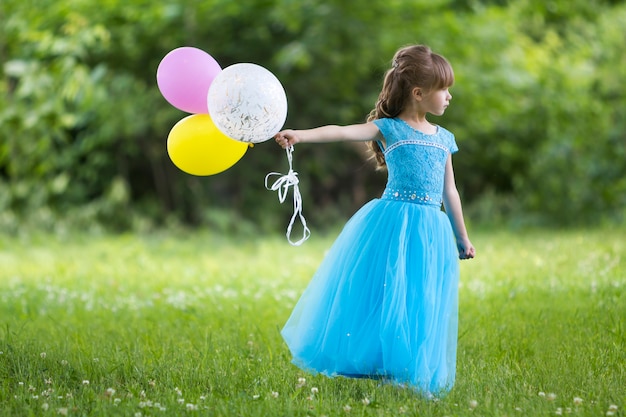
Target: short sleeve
379, 124
448, 140
452, 145
383, 126
388, 129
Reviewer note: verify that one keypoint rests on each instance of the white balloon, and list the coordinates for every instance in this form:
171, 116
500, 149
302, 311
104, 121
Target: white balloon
247, 103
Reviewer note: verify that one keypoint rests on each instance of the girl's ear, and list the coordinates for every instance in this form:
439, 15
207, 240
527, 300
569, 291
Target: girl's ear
417, 93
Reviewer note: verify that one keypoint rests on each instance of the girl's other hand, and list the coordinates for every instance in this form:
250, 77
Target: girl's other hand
466, 249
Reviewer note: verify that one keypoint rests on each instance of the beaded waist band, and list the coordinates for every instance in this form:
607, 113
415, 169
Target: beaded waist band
417, 197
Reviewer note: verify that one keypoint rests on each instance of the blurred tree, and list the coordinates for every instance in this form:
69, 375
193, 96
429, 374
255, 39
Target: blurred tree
538, 105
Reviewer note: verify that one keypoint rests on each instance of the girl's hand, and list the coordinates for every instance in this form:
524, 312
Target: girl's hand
466, 249
287, 138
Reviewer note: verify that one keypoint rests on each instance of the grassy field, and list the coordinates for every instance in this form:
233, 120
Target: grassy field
174, 324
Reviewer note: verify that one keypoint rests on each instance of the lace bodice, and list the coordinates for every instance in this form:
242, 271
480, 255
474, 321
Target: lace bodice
416, 161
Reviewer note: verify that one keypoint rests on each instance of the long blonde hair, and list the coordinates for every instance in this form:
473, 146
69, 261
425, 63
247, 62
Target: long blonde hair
412, 66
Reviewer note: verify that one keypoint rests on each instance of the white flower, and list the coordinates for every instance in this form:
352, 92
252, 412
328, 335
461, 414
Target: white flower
365, 401
256, 396
542, 394
64, 362
612, 407
551, 396
274, 394
62, 411
109, 392
85, 382
116, 401
43, 356
314, 390
578, 401
473, 404
558, 411
347, 408
45, 406
191, 407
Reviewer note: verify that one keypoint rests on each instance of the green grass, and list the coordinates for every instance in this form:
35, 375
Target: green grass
172, 324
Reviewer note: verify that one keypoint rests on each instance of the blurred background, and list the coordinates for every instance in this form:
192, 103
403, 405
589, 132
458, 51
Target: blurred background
539, 109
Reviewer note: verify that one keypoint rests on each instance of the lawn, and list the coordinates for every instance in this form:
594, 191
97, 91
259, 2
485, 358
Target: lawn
188, 324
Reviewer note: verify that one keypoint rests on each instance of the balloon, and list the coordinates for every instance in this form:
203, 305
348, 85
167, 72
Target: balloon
197, 147
184, 76
247, 103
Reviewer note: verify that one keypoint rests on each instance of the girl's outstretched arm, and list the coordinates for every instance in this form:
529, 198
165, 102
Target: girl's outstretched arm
331, 133
452, 203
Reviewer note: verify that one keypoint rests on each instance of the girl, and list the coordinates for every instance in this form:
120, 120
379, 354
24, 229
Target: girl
383, 303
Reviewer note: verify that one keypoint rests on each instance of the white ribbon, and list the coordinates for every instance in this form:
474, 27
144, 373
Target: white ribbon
282, 185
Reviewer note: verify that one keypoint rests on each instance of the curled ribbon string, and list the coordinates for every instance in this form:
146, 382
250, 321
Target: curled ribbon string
281, 185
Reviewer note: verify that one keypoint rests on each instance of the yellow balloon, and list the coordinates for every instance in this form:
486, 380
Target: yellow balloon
197, 147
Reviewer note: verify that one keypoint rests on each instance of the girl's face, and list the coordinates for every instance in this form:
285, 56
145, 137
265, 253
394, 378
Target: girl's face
436, 101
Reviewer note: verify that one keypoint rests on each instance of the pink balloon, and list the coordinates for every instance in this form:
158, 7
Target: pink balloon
184, 76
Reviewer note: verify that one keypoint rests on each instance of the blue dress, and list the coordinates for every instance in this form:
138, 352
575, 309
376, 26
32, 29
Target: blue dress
384, 301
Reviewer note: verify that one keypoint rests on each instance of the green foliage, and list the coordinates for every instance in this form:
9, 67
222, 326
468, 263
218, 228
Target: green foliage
538, 106
165, 324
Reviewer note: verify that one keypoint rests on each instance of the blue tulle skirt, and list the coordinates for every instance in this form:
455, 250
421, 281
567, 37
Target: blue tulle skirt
384, 301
